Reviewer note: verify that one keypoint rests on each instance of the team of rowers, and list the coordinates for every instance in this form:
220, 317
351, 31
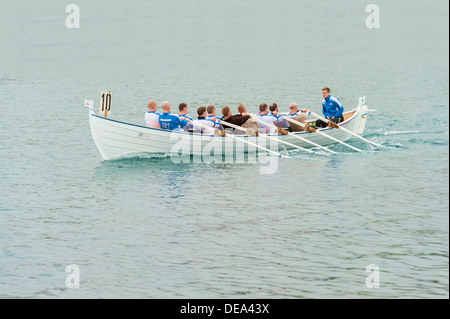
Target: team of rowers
269, 120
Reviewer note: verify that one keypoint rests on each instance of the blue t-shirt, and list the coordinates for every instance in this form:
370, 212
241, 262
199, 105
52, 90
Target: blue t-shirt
169, 121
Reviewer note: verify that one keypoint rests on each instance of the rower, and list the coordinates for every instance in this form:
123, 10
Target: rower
294, 111
299, 116
151, 117
242, 109
280, 122
183, 108
169, 121
264, 116
211, 109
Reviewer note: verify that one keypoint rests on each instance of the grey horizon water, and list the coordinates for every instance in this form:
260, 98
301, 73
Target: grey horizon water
147, 228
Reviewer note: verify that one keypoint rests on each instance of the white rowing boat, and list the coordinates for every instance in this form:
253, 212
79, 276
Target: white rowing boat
116, 139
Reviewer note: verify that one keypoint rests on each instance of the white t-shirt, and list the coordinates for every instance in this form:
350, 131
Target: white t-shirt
152, 119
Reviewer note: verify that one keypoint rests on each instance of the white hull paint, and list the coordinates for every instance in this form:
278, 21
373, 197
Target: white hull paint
115, 139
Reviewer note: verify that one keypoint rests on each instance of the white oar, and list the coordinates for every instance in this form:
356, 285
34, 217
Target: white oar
296, 136
323, 134
244, 141
346, 130
243, 129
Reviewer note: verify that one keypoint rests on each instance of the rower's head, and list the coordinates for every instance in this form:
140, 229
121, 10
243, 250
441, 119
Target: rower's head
165, 106
211, 110
242, 109
152, 105
293, 107
226, 111
273, 107
183, 108
263, 108
201, 111
325, 92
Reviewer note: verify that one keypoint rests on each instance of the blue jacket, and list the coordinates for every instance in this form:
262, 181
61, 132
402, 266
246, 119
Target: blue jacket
331, 106
169, 121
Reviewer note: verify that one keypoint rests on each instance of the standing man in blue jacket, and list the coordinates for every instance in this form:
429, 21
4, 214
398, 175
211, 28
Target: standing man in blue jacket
169, 121
332, 109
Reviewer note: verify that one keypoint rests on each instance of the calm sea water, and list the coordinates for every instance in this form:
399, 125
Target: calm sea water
145, 227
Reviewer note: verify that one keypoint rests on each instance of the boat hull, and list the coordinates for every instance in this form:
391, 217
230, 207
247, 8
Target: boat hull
115, 139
